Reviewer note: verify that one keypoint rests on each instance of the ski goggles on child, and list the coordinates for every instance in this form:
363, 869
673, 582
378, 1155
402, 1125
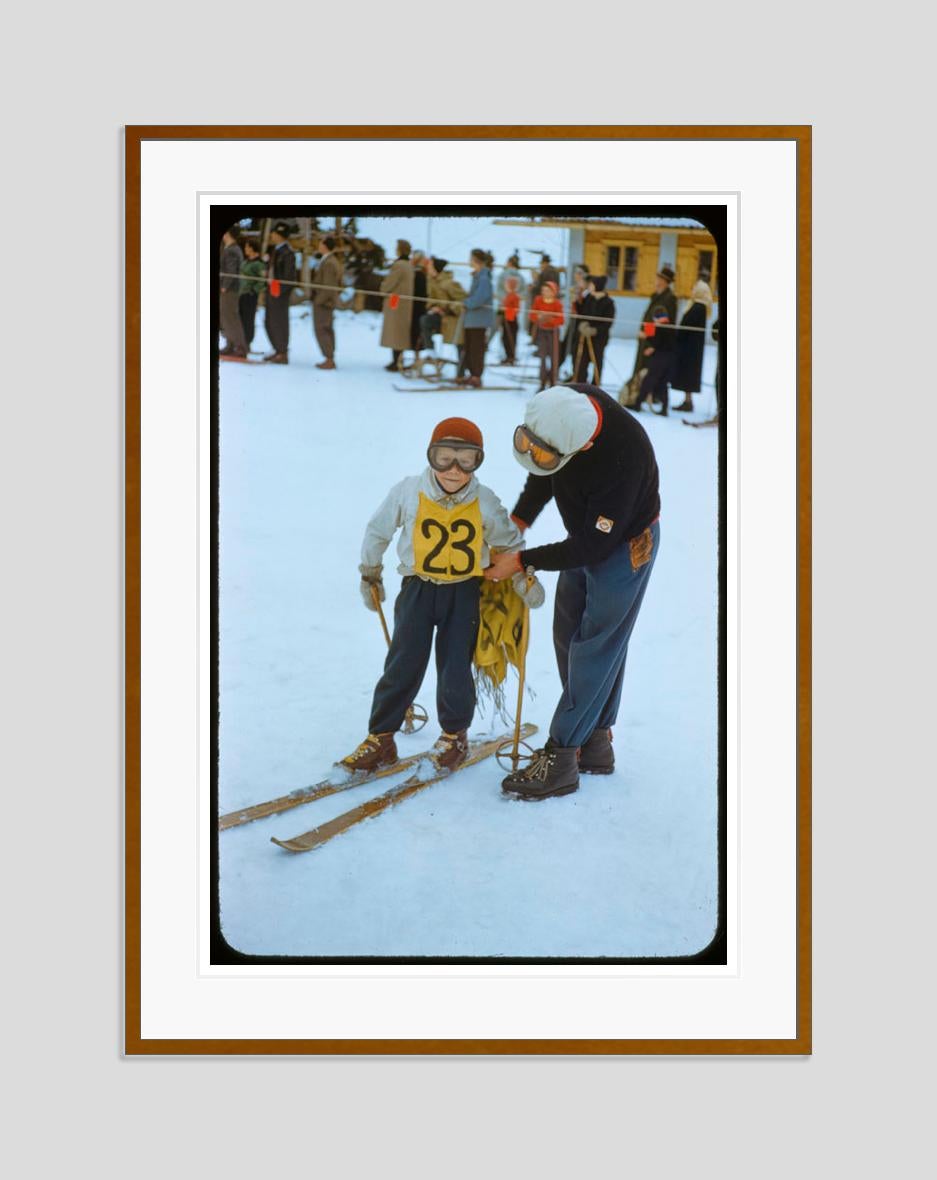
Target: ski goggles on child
443, 456
546, 457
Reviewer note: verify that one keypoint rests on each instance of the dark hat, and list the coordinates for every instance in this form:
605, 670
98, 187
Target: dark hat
439, 264
599, 281
666, 272
545, 258
283, 228
234, 231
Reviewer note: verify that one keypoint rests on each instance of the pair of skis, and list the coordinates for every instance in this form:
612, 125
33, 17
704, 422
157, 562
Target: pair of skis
439, 387
419, 780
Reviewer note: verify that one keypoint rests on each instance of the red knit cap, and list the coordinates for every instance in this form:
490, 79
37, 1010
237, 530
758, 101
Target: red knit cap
458, 428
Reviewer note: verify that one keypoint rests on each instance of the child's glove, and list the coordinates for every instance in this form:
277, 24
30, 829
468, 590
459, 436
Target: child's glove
371, 576
534, 594
587, 330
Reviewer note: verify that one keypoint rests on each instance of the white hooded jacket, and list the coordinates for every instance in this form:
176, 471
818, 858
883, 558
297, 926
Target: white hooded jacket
399, 511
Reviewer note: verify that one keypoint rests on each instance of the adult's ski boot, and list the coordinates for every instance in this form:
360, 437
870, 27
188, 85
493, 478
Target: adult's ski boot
554, 770
596, 756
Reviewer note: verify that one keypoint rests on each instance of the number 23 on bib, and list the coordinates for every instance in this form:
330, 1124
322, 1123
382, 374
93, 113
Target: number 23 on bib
447, 543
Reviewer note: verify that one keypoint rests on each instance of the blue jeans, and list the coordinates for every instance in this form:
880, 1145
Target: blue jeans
595, 612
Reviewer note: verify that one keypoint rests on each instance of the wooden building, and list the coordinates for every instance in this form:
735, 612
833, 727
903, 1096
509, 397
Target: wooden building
630, 252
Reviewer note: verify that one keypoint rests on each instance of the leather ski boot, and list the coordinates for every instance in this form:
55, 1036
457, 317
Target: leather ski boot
450, 751
553, 771
596, 756
377, 750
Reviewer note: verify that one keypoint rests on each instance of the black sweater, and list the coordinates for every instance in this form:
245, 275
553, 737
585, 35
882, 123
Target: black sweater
603, 308
614, 481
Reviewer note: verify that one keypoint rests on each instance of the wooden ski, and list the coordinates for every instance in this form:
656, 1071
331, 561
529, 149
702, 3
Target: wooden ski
316, 837
322, 790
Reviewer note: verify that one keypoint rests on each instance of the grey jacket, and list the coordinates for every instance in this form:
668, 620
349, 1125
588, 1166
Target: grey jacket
231, 258
399, 511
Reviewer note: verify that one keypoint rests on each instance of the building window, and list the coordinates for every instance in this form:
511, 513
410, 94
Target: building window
621, 267
612, 265
705, 268
629, 278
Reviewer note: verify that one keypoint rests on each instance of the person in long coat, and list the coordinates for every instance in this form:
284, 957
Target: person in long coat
688, 353
418, 303
661, 307
397, 312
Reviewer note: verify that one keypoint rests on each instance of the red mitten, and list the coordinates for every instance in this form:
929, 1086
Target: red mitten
650, 329
394, 301
274, 286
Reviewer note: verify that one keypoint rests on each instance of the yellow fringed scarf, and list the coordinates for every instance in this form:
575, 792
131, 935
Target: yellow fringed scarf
500, 634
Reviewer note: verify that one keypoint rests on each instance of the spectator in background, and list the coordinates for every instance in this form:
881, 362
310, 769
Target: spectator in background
418, 304
479, 317
510, 274
546, 274
510, 314
598, 308
325, 299
688, 348
443, 312
577, 296
546, 318
396, 286
231, 327
281, 276
662, 307
252, 283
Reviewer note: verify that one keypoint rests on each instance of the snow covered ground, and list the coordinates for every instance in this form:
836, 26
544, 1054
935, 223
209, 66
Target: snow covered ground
625, 867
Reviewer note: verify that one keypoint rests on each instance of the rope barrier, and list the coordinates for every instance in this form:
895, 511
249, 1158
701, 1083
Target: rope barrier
457, 303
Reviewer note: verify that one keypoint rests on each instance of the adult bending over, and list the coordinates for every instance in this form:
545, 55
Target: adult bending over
586, 451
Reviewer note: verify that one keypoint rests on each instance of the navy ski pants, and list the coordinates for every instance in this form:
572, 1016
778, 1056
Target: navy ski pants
451, 610
595, 612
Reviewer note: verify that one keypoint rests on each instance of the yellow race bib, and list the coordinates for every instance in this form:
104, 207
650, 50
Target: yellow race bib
447, 543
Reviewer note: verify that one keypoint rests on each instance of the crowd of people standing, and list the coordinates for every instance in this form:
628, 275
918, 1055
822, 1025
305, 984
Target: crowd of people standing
422, 300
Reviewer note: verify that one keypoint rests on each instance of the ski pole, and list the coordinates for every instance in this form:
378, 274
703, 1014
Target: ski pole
416, 716
579, 348
515, 754
597, 376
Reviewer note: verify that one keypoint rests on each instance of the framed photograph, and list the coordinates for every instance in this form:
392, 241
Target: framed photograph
468, 590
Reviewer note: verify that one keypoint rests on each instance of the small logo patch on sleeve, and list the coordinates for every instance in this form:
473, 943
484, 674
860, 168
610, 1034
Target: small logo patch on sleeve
604, 525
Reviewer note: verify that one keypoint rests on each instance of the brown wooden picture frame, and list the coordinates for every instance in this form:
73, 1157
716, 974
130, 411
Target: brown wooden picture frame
135, 1043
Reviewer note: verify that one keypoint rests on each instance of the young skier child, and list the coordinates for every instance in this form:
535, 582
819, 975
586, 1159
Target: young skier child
450, 525
546, 316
